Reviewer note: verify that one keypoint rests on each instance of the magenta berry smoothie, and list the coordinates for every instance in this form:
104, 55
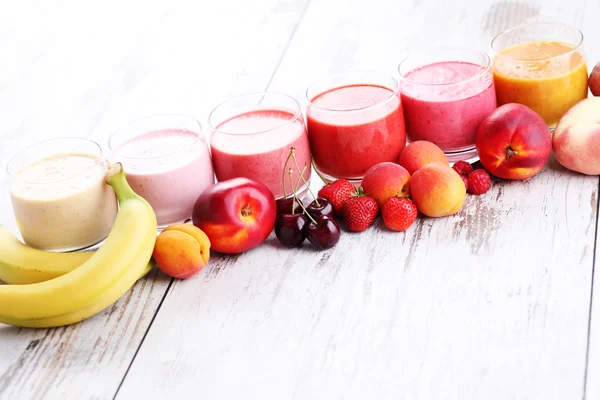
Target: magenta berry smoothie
169, 168
256, 144
444, 102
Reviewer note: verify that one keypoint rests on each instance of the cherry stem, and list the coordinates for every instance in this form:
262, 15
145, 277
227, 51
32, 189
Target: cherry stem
325, 181
298, 180
283, 173
299, 202
304, 179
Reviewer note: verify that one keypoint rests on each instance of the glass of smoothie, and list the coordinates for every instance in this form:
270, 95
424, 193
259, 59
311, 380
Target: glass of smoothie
59, 194
251, 137
542, 66
166, 161
354, 121
446, 92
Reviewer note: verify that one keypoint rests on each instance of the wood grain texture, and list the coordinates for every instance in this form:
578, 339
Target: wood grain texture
76, 69
490, 303
591, 29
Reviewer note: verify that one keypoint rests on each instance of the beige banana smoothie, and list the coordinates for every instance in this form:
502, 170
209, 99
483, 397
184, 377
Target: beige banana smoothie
61, 202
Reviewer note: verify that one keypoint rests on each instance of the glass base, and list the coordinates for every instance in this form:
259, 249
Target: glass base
469, 156
300, 192
354, 181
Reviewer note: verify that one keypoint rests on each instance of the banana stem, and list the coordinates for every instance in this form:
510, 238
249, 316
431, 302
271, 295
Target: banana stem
115, 177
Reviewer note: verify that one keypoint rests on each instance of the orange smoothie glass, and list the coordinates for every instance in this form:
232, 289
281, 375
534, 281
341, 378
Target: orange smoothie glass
540, 65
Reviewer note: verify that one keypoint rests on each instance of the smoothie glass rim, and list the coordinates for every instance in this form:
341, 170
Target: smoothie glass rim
577, 46
310, 103
487, 66
296, 116
199, 134
13, 174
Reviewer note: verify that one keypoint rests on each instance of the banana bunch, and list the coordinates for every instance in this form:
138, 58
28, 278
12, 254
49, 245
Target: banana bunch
21, 264
51, 289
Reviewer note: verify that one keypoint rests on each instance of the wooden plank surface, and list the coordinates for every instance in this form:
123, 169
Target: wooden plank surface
490, 303
592, 31
82, 69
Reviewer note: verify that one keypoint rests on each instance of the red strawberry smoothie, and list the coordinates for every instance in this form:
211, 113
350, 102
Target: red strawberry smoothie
256, 145
444, 103
169, 168
351, 128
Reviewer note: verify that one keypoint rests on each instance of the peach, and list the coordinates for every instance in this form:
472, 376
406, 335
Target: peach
594, 81
181, 250
420, 153
385, 180
513, 142
438, 190
576, 138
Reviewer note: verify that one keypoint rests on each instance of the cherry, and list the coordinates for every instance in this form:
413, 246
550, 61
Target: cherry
320, 207
325, 233
285, 204
290, 229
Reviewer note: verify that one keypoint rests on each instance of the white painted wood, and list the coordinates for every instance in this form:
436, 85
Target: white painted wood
491, 303
81, 69
592, 46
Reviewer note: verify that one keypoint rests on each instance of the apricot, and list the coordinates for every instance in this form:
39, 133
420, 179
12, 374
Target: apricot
420, 153
181, 250
437, 190
385, 180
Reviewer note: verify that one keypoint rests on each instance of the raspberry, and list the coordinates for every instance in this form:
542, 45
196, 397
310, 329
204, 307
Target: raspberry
466, 181
463, 168
479, 182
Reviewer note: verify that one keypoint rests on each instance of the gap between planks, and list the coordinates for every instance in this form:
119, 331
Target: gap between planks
283, 53
587, 351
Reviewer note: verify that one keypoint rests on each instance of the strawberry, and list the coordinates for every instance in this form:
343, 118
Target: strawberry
337, 193
360, 211
398, 213
479, 181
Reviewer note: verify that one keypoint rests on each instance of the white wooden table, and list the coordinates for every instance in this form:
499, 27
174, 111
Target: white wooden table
495, 302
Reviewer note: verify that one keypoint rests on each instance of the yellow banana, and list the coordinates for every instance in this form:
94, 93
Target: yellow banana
21, 264
106, 300
121, 259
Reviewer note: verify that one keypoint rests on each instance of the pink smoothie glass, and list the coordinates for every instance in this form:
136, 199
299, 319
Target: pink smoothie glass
167, 161
354, 121
446, 92
252, 137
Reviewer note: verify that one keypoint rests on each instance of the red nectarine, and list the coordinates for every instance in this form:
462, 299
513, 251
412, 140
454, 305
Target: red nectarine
236, 215
513, 142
